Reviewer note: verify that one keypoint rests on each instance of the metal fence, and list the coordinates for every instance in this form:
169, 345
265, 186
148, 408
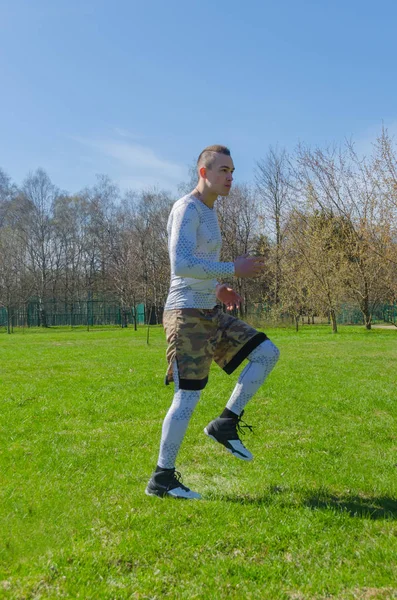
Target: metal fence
86, 312
96, 312
351, 315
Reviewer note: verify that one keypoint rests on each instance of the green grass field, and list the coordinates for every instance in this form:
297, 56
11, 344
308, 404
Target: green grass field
313, 516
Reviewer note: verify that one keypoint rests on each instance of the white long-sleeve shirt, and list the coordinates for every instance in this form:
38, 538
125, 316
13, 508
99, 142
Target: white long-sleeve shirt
194, 245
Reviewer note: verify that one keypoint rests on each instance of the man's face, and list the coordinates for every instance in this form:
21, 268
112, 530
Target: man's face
220, 176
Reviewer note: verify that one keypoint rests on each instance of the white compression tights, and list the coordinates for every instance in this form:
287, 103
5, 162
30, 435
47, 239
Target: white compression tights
176, 422
261, 362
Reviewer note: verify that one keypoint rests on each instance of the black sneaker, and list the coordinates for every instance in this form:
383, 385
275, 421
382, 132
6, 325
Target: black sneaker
169, 483
225, 431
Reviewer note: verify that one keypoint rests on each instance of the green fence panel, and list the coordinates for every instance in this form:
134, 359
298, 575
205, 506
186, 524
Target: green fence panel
80, 313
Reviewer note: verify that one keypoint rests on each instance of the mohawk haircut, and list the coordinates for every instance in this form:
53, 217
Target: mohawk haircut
207, 156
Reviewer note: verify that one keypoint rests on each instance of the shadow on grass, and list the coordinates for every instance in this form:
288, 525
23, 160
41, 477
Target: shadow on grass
368, 507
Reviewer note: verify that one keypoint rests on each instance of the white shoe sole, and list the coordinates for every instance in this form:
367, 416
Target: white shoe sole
149, 493
239, 456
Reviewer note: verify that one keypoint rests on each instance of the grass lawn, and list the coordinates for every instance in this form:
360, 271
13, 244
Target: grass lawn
313, 516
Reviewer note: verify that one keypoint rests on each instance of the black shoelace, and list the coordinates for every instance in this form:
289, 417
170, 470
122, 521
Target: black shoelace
242, 425
176, 479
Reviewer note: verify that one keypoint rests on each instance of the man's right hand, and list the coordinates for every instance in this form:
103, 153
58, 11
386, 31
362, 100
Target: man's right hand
249, 266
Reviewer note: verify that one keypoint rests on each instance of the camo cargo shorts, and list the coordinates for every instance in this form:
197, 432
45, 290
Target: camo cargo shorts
196, 337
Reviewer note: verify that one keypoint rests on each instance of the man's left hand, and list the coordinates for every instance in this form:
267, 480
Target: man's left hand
228, 296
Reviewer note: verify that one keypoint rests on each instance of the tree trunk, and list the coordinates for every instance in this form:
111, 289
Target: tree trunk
148, 326
278, 264
124, 320
366, 312
8, 309
135, 316
333, 321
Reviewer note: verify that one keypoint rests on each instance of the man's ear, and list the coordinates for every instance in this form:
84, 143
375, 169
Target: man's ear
203, 172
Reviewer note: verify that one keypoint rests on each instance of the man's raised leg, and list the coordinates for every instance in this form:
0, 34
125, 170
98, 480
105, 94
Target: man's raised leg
226, 428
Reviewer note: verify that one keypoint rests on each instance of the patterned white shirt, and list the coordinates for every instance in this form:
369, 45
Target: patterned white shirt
194, 245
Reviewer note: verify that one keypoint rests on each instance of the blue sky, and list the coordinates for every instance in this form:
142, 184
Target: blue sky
135, 90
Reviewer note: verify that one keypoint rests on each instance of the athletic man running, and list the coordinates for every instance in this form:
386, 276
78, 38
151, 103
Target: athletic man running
196, 328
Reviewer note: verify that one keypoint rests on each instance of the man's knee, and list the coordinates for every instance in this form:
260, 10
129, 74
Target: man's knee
276, 352
265, 352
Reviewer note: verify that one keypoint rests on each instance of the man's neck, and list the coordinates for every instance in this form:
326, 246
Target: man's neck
205, 196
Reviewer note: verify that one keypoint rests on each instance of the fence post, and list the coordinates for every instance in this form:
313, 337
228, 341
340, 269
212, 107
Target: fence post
148, 325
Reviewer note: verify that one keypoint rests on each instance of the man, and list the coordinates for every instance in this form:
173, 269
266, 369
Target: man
196, 328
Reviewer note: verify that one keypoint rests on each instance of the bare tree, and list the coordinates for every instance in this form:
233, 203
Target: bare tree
33, 220
8, 192
139, 256
12, 270
336, 181
314, 245
71, 216
272, 181
295, 283
384, 234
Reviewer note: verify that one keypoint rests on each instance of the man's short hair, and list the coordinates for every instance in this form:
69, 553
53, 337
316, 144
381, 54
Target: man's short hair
207, 156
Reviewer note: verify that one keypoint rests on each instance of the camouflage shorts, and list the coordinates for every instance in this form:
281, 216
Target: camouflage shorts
197, 336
